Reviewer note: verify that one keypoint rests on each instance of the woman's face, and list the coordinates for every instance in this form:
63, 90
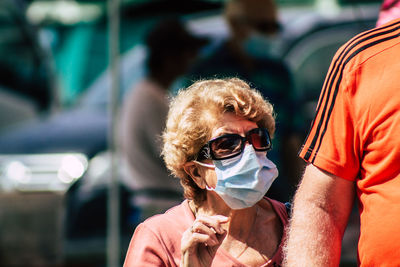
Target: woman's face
229, 124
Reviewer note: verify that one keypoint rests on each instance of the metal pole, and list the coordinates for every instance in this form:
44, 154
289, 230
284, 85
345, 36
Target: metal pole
113, 217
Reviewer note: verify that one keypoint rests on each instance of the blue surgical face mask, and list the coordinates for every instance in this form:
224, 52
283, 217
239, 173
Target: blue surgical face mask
243, 181
261, 45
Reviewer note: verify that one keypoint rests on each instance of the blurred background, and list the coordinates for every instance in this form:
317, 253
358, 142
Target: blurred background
59, 172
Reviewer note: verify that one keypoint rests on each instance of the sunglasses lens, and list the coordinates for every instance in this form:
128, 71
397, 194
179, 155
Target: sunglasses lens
260, 139
267, 27
226, 146
231, 145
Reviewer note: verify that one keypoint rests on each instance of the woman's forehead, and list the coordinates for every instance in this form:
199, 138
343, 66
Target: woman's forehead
231, 123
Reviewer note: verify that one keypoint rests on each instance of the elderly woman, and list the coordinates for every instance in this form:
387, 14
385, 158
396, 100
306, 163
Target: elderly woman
216, 141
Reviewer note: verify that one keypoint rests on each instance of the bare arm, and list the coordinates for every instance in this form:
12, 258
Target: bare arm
322, 206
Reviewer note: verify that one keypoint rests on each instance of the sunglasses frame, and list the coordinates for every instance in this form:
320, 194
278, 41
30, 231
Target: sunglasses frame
207, 153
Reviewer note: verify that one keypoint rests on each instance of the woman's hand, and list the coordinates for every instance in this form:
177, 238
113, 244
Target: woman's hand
200, 242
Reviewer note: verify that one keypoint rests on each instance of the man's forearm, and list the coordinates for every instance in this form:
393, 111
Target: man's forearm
313, 239
321, 208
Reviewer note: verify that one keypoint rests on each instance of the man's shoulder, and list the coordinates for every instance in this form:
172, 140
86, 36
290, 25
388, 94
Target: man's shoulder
368, 44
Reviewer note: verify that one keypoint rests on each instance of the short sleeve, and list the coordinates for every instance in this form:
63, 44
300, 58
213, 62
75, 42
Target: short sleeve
333, 143
145, 249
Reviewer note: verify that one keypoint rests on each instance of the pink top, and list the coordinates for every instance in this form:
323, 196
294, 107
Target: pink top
157, 241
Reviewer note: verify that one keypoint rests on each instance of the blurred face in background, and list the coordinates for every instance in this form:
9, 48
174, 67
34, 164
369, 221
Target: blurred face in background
254, 26
247, 17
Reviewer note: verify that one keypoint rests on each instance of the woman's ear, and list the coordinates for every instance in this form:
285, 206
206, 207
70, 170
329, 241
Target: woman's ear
193, 171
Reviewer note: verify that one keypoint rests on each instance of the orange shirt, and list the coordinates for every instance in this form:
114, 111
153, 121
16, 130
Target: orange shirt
356, 135
157, 241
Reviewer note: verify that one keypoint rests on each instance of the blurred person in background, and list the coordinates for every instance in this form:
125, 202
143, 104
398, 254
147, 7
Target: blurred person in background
390, 10
248, 53
171, 50
353, 151
216, 141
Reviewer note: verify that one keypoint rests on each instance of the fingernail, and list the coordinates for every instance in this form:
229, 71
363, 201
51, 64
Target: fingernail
222, 218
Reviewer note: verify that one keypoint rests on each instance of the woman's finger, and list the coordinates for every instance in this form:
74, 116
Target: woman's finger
200, 228
213, 222
206, 239
205, 230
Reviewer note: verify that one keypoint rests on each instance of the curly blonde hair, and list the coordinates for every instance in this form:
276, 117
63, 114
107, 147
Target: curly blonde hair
194, 112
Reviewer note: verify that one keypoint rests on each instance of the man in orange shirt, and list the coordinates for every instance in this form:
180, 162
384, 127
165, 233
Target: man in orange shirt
353, 149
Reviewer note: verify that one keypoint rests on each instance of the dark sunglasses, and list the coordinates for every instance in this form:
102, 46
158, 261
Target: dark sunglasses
230, 145
262, 26
267, 27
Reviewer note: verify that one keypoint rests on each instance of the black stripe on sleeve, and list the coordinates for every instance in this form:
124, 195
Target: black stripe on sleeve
330, 80
340, 78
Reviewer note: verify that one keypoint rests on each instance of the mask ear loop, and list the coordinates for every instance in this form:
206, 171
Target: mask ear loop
207, 166
204, 164
210, 188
